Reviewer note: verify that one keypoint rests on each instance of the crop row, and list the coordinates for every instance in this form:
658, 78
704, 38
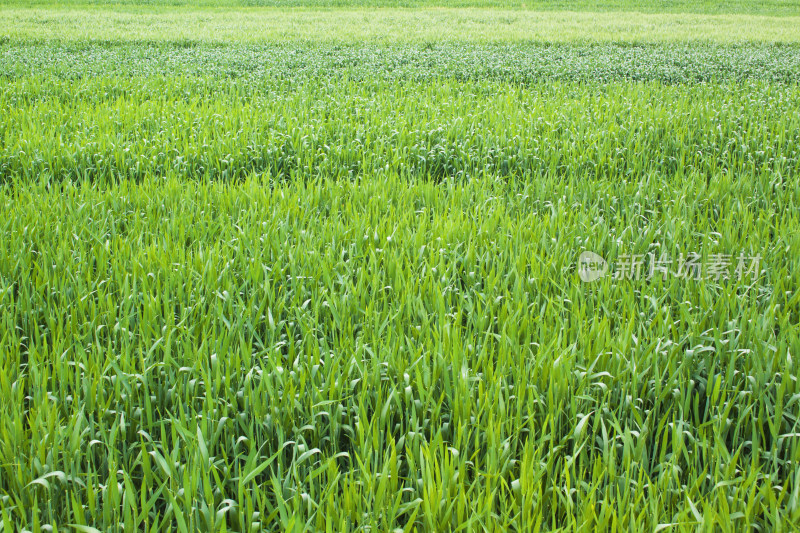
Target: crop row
108, 129
519, 63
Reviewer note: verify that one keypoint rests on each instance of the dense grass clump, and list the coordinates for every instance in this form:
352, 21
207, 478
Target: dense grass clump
304, 288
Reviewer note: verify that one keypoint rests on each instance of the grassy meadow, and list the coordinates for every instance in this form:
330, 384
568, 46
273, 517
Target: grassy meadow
387, 26
272, 266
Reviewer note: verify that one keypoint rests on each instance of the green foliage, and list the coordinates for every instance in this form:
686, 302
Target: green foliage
314, 288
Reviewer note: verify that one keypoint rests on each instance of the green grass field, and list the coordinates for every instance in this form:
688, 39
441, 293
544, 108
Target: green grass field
317, 267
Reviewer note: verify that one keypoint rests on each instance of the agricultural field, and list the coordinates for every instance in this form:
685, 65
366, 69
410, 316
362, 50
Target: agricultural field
459, 266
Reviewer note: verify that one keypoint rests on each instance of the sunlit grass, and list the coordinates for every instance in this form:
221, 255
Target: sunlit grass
306, 287
386, 26
108, 129
393, 353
